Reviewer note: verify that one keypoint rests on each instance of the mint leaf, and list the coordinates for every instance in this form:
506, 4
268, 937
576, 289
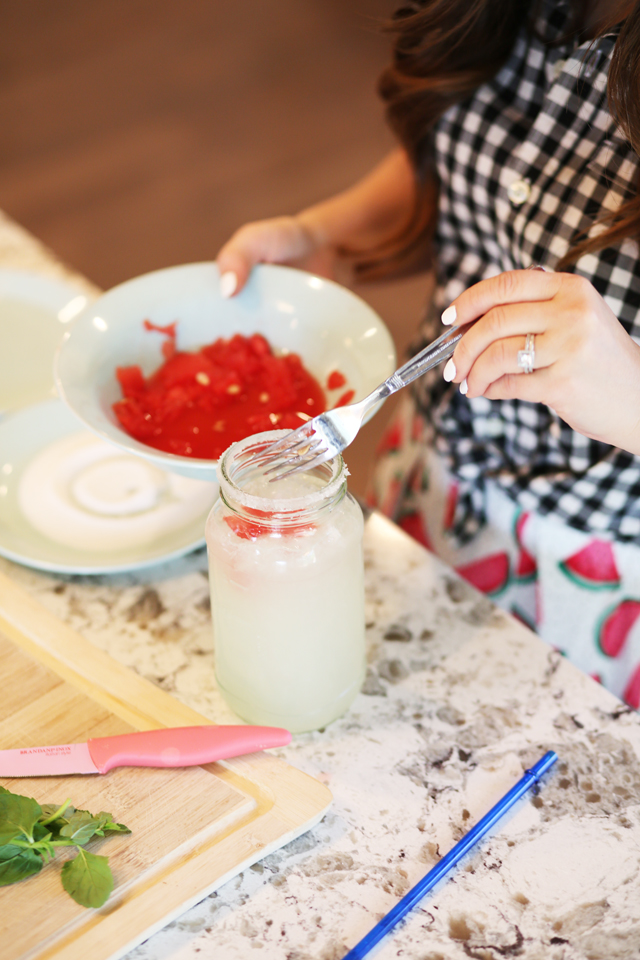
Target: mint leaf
17, 863
88, 879
108, 825
81, 827
18, 817
53, 814
30, 834
40, 832
116, 827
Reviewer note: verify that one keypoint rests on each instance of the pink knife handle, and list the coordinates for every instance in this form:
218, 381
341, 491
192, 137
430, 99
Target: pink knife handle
182, 746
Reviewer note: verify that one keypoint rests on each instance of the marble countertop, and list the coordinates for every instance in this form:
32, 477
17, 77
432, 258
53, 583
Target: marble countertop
459, 699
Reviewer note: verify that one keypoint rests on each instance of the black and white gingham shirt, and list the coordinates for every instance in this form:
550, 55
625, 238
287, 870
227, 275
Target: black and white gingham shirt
532, 159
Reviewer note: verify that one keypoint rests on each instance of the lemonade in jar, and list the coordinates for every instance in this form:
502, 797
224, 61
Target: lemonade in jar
287, 591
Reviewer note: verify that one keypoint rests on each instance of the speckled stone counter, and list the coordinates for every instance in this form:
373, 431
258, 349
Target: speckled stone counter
458, 700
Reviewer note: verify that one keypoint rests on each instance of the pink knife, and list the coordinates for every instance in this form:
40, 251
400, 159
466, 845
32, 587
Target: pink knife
170, 747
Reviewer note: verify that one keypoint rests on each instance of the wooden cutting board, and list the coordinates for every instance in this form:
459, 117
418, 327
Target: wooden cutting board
193, 828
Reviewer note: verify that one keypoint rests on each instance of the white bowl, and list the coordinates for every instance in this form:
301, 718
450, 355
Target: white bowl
327, 325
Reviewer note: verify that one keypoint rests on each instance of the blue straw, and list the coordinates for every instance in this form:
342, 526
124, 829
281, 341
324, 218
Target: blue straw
447, 863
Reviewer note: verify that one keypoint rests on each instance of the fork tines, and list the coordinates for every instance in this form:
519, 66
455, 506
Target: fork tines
297, 455
292, 451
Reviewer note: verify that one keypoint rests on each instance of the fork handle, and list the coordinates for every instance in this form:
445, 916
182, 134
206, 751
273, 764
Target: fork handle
427, 358
430, 356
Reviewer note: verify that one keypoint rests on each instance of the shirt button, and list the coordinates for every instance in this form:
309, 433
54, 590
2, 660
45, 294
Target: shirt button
558, 67
519, 192
555, 430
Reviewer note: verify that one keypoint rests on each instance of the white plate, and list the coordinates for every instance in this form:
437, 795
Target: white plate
22, 436
327, 325
34, 311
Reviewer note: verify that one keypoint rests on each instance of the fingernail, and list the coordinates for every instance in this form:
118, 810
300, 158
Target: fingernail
464, 386
449, 371
228, 284
449, 316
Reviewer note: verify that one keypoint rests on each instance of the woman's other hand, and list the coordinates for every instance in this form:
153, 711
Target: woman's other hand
586, 367
286, 240
362, 217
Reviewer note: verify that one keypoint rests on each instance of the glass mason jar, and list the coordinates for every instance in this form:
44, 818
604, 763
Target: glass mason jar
287, 591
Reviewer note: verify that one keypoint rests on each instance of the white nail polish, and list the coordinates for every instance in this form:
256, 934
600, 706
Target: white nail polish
464, 386
228, 284
449, 316
449, 371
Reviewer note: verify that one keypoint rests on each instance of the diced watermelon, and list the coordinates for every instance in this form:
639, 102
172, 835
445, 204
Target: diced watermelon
593, 567
251, 529
182, 368
133, 419
169, 330
335, 380
131, 380
616, 626
246, 529
346, 398
259, 422
259, 345
489, 574
196, 404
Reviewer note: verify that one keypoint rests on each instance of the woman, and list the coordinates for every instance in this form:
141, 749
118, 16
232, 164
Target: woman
519, 127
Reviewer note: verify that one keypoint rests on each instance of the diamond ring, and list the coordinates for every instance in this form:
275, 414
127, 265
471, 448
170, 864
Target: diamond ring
527, 357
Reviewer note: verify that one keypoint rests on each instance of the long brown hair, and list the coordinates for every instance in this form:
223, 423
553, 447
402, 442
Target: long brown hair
443, 51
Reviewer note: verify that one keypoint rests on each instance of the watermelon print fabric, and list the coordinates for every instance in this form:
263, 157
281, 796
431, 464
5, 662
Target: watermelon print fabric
580, 593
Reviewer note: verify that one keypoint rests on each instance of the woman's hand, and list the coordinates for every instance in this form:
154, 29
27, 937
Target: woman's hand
286, 240
361, 218
586, 367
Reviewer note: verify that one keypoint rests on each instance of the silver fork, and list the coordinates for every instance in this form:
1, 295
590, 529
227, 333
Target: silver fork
327, 435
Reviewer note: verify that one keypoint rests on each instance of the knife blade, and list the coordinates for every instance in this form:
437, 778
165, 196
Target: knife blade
167, 747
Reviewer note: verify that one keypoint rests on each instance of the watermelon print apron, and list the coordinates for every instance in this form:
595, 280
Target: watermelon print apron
537, 516
580, 593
